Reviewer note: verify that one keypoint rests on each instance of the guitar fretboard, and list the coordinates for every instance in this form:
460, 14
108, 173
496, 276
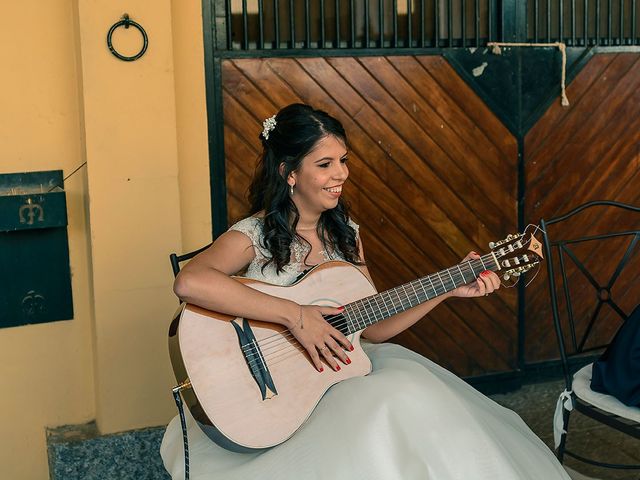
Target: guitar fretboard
369, 310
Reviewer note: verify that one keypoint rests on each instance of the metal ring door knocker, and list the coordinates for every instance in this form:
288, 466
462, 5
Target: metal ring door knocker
126, 21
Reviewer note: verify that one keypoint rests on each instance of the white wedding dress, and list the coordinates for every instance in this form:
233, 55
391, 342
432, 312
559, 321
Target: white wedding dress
408, 419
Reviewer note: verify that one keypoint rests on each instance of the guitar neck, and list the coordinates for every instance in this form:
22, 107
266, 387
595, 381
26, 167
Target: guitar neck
369, 310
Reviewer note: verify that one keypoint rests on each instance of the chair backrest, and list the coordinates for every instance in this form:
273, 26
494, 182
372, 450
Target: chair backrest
593, 268
176, 259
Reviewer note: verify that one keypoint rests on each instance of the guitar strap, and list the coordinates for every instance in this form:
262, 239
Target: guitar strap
176, 396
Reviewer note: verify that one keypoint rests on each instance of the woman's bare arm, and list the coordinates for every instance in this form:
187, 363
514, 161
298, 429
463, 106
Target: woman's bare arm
392, 326
206, 281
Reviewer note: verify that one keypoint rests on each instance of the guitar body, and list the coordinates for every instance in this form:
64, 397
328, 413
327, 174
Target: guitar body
225, 397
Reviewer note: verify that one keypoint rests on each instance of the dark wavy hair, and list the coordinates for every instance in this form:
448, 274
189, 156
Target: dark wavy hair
297, 131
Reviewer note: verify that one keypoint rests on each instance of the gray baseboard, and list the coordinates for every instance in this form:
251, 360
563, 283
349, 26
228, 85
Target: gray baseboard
504, 382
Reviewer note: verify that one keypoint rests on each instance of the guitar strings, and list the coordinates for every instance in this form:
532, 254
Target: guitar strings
449, 283
365, 305
466, 266
362, 305
278, 339
276, 355
368, 309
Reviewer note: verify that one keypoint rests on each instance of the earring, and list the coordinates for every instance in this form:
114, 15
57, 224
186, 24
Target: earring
291, 190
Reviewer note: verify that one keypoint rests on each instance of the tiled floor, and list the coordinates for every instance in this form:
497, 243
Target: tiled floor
536, 404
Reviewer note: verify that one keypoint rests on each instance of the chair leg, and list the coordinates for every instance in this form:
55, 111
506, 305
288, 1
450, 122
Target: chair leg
563, 439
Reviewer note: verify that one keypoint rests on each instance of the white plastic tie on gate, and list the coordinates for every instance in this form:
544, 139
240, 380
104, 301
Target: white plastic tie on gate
565, 402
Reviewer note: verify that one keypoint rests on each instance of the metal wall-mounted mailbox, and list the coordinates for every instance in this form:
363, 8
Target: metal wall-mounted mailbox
35, 278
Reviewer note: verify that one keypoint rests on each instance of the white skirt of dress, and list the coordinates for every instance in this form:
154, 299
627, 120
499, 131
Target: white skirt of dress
408, 419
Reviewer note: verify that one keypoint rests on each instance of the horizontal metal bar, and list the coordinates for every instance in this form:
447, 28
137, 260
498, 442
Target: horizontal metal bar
328, 52
591, 238
601, 464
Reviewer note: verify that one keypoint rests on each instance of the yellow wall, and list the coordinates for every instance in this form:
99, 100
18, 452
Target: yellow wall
141, 128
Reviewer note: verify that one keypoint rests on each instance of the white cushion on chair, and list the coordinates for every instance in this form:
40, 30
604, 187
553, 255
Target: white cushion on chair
582, 388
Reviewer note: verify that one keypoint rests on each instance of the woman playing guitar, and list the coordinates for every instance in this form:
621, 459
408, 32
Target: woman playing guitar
409, 418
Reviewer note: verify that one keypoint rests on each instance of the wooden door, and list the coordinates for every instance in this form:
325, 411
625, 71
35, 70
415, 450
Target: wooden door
433, 175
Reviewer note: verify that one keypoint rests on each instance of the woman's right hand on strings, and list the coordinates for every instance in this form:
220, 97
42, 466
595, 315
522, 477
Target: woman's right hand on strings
319, 338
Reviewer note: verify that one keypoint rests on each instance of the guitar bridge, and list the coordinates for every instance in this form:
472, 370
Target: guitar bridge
255, 359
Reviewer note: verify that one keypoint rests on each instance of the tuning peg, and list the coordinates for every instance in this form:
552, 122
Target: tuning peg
506, 276
492, 245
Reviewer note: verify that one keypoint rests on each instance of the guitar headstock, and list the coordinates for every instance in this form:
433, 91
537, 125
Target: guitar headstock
517, 254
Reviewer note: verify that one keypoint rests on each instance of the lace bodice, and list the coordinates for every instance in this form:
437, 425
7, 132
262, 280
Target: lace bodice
252, 227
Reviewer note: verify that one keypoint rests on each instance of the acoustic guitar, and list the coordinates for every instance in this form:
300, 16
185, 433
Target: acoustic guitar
250, 385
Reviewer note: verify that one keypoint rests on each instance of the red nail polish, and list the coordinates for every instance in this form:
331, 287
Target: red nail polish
337, 367
321, 369
351, 348
485, 273
340, 308
348, 361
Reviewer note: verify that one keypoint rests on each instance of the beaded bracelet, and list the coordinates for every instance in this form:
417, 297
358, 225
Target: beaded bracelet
300, 324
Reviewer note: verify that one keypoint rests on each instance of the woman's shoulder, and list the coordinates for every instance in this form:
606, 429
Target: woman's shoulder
250, 226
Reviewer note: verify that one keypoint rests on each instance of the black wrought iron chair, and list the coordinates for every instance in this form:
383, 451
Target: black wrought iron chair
176, 259
582, 304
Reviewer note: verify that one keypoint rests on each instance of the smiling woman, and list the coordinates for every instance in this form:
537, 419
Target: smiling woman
407, 419
320, 178
298, 185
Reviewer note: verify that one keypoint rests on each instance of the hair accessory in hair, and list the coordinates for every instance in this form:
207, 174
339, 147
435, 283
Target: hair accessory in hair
268, 125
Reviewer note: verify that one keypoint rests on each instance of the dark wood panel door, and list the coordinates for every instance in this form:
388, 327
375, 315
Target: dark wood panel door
433, 175
589, 151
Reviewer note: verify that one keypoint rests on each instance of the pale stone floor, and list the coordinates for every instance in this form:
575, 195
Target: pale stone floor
77, 453
535, 403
